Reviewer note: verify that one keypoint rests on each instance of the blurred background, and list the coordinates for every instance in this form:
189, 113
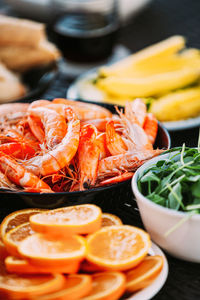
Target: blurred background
144, 21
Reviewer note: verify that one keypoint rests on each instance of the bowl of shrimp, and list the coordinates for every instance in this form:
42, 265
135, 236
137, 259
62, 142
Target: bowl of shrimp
64, 152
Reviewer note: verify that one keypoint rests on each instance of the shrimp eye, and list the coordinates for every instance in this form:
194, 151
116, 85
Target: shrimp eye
86, 184
71, 167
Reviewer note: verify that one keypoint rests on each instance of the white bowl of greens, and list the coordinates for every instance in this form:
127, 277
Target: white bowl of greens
167, 191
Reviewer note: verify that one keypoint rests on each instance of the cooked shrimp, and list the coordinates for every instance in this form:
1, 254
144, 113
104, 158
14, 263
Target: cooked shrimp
151, 127
123, 177
19, 175
100, 124
13, 111
101, 141
88, 156
136, 109
128, 162
27, 141
86, 111
18, 150
54, 125
114, 141
133, 135
61, 155
5, 183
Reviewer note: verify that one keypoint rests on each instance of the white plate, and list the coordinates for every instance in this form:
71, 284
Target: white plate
82, 88
155, 287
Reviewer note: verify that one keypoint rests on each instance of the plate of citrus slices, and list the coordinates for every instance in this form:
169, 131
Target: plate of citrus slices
77, 252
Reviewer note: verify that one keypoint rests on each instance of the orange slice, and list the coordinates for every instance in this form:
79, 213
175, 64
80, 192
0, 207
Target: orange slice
144, 274
22, 266
75, 287
80, 219
107, 286
13, 286
3, 252
44, 251
17, 218
118, 247
14, 236
88, 267
109, 220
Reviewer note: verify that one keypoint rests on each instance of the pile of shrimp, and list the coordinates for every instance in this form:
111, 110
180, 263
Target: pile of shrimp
66, 146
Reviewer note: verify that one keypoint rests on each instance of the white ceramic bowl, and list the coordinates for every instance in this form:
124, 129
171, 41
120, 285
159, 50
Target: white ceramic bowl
184, 242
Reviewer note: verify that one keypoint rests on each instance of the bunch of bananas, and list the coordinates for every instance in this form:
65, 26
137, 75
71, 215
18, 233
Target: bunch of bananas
166, 71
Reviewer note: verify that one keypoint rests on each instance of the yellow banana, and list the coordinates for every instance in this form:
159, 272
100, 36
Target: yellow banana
150, 85
160, 50
177, 105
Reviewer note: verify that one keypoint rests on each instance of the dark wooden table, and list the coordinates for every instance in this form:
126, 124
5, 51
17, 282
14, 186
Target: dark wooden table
161, 19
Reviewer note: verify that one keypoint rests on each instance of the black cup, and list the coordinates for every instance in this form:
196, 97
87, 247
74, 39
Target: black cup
85, 31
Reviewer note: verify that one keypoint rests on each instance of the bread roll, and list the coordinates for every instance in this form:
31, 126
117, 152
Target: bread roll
23, 58
10, 86
23, 44
19, 32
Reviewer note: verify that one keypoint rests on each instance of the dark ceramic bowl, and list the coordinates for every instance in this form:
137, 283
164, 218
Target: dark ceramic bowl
110, 198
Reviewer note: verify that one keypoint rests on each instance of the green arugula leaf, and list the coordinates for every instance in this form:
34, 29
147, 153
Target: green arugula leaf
175, 197
195, 189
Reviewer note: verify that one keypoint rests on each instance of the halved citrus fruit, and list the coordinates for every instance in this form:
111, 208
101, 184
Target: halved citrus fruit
17, 218
13, 286
107, 286
110, 219
75, 287
144, 274
14, 236
22, 266
45, 251
80, 219
118, 247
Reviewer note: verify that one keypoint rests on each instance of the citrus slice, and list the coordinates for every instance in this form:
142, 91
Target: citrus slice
75, 287
17, 218
118, 247
110, 219
144, 274
45, 251
13, 286
14, 236
3, 252
107, 286
88, 267
22, 266
80, 219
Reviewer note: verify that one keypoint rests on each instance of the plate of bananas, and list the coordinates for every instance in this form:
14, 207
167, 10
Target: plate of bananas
165, 75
